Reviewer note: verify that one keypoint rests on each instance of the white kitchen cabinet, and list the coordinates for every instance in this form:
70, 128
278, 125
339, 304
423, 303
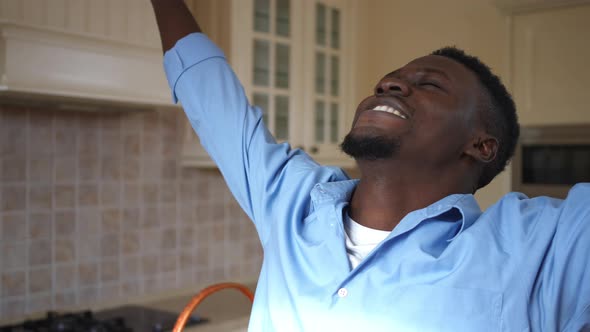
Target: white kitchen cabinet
551, 49
296, 60
548, 53
81, 54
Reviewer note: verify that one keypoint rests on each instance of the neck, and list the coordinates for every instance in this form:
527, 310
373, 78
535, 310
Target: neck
389, 190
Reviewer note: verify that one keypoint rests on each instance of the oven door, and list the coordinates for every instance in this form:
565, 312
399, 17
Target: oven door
549, 160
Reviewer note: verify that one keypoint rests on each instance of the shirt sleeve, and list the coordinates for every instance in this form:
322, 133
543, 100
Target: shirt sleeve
581, 322
568, 278
229, 128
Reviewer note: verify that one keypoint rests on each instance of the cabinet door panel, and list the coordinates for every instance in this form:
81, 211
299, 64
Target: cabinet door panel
551, 51
262, 15
327, 61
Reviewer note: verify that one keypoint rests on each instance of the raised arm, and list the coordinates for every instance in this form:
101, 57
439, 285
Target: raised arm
253, 164
174, 21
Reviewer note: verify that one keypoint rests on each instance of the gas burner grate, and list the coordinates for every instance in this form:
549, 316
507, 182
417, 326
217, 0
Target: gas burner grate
128, 318
69, 322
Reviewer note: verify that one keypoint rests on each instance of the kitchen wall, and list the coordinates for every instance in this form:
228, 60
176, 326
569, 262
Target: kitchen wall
95, 207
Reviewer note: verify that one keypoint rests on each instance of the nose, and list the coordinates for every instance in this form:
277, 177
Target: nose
392, 85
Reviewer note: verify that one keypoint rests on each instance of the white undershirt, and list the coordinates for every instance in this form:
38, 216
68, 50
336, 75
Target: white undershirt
360, 240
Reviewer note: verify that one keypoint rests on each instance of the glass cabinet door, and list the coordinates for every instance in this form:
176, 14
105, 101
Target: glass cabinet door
327, 99
295, 65
272, 65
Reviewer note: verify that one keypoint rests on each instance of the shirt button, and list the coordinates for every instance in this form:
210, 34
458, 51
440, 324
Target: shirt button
342, 292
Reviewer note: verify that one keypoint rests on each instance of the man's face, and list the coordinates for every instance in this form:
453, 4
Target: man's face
425, 111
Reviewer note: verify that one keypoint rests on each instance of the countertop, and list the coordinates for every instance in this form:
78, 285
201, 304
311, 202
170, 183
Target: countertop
227, 310
235, 325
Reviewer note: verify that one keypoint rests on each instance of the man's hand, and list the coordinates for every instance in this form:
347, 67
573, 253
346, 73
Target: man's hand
174, 21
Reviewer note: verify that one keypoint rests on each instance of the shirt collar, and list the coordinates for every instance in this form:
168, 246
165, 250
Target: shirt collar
341, 192
329, 192
465, 204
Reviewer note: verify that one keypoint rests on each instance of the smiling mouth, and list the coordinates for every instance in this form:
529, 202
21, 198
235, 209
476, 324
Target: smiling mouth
390, 110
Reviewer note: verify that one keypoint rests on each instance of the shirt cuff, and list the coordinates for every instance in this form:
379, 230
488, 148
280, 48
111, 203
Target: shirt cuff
188, 51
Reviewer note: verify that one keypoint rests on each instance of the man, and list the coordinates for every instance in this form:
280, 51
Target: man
405, 248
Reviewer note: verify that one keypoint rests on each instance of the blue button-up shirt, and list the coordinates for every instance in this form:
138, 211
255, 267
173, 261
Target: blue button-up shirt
523, 265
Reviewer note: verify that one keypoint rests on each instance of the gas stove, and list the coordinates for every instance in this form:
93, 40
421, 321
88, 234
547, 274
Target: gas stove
74, 322
121, 319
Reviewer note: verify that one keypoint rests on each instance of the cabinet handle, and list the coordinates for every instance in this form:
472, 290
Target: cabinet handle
314, 149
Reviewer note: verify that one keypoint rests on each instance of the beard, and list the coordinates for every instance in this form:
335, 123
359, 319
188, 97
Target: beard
370, 147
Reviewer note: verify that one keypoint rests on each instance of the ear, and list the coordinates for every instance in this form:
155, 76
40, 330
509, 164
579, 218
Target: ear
482, 148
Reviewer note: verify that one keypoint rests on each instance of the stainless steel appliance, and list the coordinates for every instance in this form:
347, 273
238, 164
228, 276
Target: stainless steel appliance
549, 160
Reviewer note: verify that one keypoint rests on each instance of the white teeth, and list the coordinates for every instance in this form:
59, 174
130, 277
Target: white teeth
391, 110
398, 113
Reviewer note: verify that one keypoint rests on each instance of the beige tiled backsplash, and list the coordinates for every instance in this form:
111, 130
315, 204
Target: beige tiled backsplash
95, 206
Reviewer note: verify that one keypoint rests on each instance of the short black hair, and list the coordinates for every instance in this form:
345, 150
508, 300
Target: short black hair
498, 114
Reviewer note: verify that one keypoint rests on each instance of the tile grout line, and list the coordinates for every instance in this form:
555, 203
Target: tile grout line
27, 296
53, 205
77, 211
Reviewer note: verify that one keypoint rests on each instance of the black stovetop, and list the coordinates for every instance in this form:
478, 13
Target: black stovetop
121, 319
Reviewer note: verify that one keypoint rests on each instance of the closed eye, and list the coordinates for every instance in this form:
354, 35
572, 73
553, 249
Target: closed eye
429, 84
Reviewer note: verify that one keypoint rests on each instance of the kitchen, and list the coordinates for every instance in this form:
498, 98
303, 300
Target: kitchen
104, 200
